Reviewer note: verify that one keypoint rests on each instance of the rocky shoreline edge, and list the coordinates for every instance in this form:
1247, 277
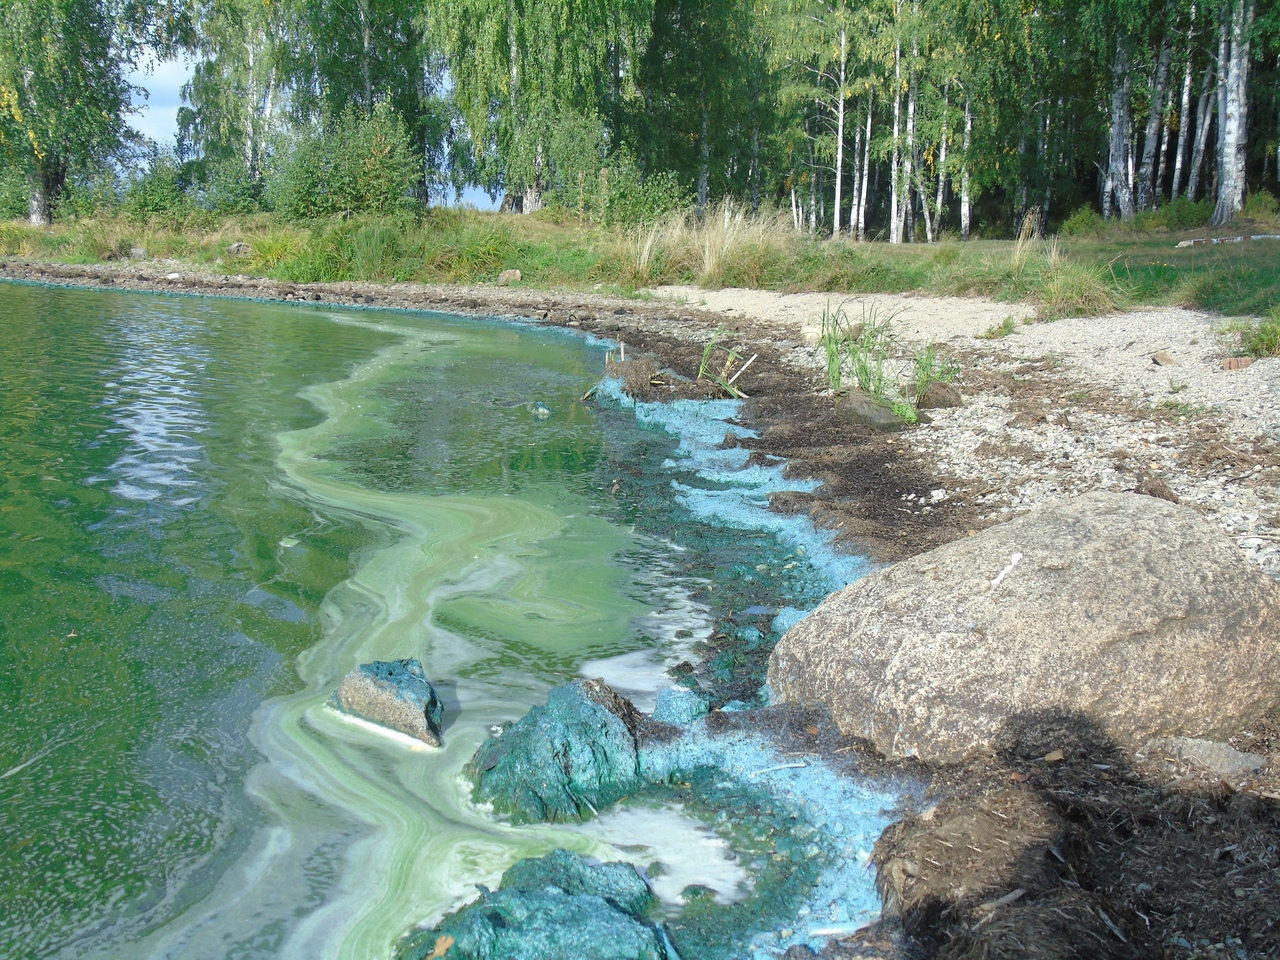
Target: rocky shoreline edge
1157, 855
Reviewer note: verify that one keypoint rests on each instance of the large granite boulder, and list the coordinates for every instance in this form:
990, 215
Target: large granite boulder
563, 761
1118, 616
394, 694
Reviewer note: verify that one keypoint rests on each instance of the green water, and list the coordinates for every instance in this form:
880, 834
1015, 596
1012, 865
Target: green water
211, 511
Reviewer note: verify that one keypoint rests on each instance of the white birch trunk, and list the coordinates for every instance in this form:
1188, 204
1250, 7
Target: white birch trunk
1184, 124
1118, 164
1234, 136
844, 45
866, 169
1146, 170
966, 196
909, 156
1202, 134
895, 216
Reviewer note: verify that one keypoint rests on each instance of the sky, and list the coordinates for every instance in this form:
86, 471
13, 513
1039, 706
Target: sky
158, 113
157, 116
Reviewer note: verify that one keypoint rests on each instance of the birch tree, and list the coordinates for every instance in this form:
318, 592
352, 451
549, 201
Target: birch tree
1233, 69
63, 94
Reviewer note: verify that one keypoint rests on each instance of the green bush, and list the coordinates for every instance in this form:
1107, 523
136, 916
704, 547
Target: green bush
363, 164
158, 192
1085, 222
631, 199
1184, 214
1261, 206
229, 188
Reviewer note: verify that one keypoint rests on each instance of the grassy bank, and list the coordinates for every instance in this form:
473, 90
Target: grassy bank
1114, 266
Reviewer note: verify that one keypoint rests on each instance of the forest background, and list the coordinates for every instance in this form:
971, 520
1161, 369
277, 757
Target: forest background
911, 121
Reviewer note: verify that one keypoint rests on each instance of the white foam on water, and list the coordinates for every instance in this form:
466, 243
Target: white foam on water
412, 744
687, 850
640, 674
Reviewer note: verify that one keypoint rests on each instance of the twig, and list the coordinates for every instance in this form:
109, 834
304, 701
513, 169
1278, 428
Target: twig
1007, 899
743, 369
781, 766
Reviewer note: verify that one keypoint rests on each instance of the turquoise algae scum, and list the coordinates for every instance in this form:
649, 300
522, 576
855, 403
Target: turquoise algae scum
211, 511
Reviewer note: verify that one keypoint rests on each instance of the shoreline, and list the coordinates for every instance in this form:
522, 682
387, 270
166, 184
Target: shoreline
1051, 410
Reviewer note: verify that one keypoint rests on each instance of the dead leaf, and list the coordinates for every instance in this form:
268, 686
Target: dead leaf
1054, 756
443, 943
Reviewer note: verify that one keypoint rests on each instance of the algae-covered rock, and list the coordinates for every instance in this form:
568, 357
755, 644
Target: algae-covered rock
562, 761
394, 694
550, 908
544, 925
617, 882
679, 706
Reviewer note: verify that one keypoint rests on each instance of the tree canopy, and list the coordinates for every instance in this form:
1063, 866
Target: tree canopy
900, 119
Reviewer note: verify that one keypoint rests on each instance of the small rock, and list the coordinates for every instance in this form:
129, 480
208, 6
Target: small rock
940, 396
137, 253
563, 761
678, 705
239, 249
1164, 359
855, 406
617, 882
393, 694
508, 277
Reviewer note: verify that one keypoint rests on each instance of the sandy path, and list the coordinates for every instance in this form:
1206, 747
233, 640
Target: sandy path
916, 319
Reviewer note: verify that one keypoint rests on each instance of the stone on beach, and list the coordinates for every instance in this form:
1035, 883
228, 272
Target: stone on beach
1116, 616
393, 694
560, 905
617, 882
562, 761
547, 924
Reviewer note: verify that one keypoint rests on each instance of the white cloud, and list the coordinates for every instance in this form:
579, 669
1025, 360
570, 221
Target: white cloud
157, 116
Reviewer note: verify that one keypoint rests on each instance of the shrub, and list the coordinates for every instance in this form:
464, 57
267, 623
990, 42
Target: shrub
158, 192
1085, 222
630, 199
363, 164
1184, 214
1261, 206
229, 188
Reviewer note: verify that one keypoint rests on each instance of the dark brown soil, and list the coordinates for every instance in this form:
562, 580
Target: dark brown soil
1079, 855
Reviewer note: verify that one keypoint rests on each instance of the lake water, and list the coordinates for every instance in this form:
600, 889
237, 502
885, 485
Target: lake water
210, 511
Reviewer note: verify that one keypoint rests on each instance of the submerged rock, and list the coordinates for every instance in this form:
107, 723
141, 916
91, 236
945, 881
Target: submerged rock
393, 694
617, 882
562, 761
1111, 617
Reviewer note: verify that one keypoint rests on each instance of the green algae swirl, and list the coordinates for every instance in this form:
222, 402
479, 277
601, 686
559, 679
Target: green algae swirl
211, 512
